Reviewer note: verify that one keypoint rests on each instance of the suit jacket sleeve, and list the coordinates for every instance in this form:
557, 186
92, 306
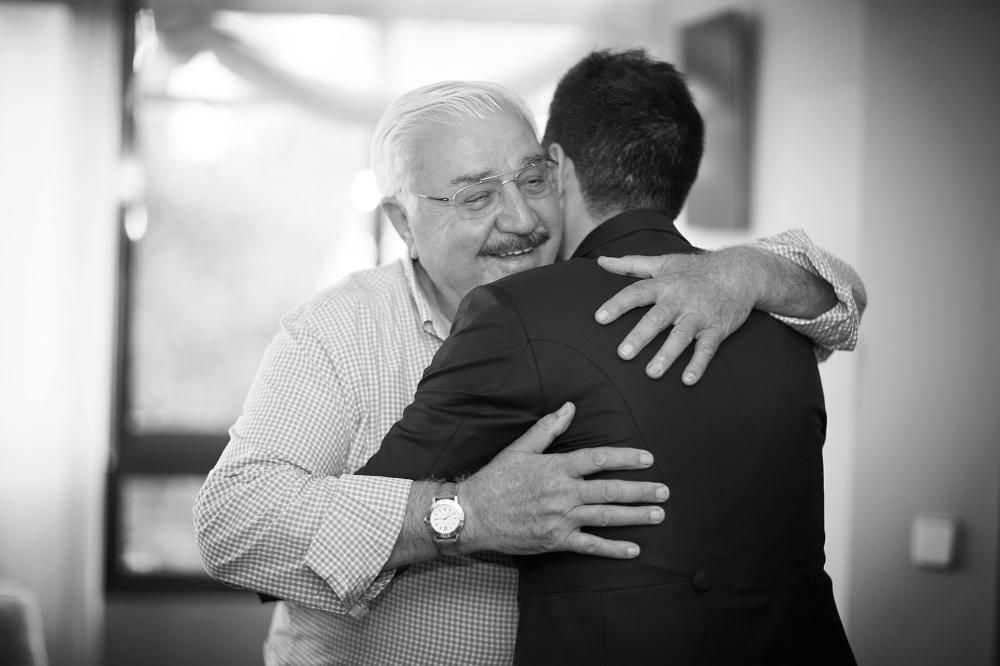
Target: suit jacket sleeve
480, 393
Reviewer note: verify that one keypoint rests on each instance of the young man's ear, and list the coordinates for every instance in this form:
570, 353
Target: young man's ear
563, 170
396, 212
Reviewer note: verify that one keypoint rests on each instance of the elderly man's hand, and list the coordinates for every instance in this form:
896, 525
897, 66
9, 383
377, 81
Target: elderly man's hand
526, 502
705, 297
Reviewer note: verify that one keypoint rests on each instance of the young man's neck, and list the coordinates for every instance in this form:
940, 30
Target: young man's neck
579, 223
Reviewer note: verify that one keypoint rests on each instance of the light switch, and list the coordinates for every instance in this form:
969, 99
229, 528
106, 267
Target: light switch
932, 541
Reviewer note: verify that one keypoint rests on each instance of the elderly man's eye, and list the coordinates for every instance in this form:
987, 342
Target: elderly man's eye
478, 200
535, 183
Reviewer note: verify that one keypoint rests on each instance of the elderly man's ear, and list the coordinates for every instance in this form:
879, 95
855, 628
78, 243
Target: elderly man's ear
396, 213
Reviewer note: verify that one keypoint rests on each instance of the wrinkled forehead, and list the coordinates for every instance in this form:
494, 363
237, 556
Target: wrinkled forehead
454, 153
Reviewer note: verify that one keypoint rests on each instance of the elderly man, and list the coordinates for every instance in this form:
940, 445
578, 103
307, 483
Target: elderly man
282, 514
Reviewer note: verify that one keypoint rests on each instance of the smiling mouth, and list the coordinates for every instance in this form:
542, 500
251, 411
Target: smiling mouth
514, 253
511, 247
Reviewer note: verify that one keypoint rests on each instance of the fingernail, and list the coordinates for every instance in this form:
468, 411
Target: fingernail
654, 369
633, 551
646, 458
656, 515
601, 316
689, 378
625, 351
662, 493
564, 410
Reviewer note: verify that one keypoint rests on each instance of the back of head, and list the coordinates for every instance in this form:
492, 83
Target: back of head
443, 102
632, 130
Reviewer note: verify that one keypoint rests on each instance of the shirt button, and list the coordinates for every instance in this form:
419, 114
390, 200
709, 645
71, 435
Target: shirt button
358, 611
702, 581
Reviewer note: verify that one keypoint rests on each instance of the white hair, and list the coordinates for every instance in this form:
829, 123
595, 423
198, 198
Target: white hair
435, 103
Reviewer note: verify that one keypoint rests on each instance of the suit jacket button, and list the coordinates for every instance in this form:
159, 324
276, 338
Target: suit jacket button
702, 581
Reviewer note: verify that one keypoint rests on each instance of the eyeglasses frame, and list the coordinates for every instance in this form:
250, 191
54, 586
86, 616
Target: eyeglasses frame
502, 178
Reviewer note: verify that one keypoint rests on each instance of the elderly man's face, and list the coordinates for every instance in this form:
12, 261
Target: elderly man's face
458, 253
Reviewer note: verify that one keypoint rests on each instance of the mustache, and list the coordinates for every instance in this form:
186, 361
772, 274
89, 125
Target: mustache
516, 243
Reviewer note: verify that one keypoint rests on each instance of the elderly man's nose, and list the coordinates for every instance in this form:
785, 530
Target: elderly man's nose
515, 214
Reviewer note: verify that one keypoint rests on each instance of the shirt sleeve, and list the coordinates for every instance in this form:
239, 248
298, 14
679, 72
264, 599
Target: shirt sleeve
837, 328
280, 514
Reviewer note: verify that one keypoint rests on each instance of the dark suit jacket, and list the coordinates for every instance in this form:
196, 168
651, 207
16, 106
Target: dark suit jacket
734, 574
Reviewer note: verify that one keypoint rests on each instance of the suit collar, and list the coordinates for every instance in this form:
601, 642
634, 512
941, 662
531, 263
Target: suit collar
597, 242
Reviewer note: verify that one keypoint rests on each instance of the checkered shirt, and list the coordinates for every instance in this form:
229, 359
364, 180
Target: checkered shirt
283, 514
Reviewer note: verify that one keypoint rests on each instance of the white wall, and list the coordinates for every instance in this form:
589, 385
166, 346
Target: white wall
929, 430
59, 117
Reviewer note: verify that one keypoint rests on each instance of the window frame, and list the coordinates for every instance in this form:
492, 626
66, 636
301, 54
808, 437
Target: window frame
160, 454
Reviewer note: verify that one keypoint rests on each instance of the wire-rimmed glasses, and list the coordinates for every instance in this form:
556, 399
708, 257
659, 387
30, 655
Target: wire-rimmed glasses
482, 198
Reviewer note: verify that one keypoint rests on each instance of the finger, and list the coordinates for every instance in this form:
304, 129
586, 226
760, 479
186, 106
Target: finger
656, 320
584, 462
613, 515
708, 343
683, 333
631, 265
589, 544
633, 296
616, 491
538, 437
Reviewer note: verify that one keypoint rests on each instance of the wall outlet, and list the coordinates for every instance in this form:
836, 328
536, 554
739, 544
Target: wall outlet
932, 541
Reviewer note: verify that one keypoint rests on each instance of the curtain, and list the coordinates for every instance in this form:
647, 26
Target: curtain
60, 115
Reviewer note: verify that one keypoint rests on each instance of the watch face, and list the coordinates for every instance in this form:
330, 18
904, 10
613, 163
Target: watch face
446, 517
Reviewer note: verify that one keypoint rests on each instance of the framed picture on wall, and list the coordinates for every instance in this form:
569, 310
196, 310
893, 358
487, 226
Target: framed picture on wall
718, 56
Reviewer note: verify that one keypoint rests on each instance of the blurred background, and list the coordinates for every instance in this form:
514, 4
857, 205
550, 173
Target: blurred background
175, 176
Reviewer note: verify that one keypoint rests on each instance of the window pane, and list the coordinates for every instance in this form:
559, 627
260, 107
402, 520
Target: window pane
247, 214
157, 532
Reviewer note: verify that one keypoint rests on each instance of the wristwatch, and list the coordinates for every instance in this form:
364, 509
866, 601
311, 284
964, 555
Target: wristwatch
446, 519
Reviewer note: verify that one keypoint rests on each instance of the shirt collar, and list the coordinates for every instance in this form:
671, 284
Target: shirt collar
622, 225
433, 322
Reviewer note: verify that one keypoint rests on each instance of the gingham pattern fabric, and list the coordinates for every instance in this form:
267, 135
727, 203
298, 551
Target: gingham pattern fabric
281, 513
837, 328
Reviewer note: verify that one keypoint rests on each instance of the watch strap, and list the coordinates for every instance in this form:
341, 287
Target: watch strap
448, 490
447, 546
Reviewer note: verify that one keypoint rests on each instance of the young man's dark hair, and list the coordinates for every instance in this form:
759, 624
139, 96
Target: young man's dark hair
629, 124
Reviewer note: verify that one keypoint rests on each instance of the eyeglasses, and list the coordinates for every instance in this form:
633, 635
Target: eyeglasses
534, 181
